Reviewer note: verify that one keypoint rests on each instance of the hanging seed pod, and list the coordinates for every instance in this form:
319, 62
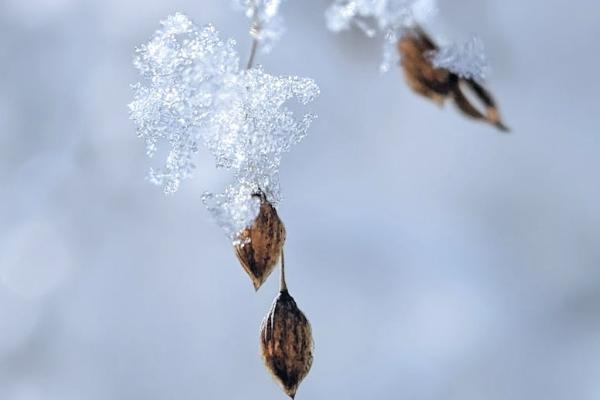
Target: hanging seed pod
420, 74
260, 245
286, 341
438, 84
491, 110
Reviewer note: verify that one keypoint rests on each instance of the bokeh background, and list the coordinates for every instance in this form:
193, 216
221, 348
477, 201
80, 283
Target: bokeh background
436, 258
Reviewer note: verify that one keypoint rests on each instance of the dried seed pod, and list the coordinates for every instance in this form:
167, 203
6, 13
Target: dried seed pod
420, 74
491, 110
438, 84
260, 245
286, 343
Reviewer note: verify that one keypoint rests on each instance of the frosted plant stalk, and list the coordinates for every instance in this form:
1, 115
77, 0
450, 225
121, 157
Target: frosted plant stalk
267, 25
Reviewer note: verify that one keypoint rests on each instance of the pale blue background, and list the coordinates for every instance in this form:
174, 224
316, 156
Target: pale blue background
436, 258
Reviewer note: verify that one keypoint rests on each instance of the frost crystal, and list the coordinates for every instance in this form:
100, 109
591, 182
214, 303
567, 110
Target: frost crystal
184, 67
388, 17
267, 24
467, 59
235, 208
251, 135
386, 14
194, 93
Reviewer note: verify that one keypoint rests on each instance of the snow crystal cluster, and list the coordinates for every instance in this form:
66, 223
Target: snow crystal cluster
392, 18
466, 59
387, 17
267, 24
194, 92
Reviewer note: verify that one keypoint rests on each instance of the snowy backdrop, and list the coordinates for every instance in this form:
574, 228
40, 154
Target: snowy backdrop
435, 257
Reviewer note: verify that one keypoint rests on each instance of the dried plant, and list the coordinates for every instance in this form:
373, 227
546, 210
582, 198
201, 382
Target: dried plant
260, 245
194, 92
426, 78
432, 71
286, 341
421, 75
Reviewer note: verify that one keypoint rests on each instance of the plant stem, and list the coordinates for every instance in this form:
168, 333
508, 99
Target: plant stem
282, 284
254, 32
252, 53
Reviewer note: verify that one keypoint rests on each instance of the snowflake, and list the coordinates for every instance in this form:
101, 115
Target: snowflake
466, 59
267, 24
195, 93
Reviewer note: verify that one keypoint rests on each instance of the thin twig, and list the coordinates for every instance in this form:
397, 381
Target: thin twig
282, 284
252, 53
254, 32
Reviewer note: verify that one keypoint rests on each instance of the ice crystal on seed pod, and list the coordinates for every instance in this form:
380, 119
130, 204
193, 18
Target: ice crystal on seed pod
466, 59
194, 93
268, 26
235, 208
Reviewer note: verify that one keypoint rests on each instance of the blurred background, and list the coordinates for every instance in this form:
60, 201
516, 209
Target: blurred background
435, 258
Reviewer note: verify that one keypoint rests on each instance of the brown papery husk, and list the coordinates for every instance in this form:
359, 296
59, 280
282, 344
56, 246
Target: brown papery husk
426, 80
259, 246
286, 343
439, 84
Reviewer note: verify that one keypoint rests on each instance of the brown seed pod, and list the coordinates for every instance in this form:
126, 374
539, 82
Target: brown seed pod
420, 74
260, 245
438, 84
286, 342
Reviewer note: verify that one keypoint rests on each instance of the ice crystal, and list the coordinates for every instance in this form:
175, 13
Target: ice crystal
195, 93
184, 68
267, 24
251, 135
372, 15
387, 17
235, 208
390, 56
466, 59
